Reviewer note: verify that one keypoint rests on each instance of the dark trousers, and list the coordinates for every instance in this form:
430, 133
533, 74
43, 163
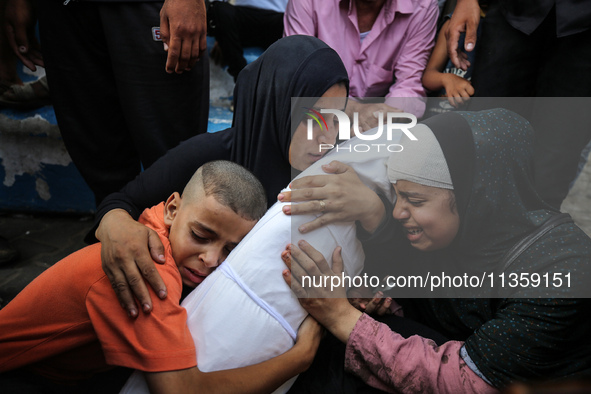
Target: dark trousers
327, 373
510, 63
116, 107
235, 28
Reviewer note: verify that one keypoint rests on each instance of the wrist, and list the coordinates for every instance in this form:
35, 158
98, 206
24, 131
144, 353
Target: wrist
342, 321
114, 215
372, 219
302, 354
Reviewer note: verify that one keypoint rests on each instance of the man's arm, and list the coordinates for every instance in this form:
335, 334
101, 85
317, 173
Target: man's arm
299, 19
465, 18
259, 378
411, 64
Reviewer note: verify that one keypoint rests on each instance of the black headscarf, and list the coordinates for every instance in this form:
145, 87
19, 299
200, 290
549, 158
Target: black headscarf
511, 339
293, 67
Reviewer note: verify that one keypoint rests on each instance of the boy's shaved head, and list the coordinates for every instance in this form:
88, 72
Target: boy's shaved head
231, 185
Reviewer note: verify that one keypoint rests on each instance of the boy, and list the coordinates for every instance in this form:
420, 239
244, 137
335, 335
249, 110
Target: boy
67, 324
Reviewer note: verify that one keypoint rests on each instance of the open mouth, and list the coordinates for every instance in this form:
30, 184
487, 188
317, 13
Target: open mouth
413, 234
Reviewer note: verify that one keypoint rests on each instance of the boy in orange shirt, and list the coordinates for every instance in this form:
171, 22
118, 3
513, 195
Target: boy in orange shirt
67, 325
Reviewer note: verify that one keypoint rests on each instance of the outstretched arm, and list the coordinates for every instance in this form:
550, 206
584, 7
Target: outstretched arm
382, 358
259, 378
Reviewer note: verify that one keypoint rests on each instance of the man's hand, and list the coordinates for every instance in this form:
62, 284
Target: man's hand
128, 252
183, 26
465, 18
20, 32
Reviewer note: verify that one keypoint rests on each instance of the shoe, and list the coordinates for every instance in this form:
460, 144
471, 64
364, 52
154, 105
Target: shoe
27, 96
7, 252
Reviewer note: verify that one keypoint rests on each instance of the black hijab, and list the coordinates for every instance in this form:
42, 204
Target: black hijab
294, 67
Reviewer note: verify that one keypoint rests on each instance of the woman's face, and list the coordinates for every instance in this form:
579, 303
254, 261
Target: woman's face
427, 214
304, 152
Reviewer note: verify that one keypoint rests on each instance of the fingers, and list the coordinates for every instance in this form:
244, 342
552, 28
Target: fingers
337, 261
470, 40
174, 49
19, 46
149, 271
320, 221
137, 286
378, 305
453, 35
156, 247
308, 258
119, 285
309, 182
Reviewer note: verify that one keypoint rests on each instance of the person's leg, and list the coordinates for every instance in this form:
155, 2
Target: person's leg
224, 19
259, 28
160, 109
85, 96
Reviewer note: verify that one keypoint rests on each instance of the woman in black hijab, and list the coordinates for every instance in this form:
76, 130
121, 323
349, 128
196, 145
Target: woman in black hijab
466, 207
259, 139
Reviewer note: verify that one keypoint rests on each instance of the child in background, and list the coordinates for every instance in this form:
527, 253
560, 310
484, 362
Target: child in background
444, 79
67, 325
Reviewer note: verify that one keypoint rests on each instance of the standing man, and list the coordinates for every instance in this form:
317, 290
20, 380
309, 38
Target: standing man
385, 45
535, 48
128, 79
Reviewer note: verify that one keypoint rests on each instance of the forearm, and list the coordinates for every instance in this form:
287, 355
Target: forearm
433, 80
387, 361
264, 377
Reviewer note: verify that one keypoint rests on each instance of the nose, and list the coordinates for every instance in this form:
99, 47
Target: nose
212, 257
328, 136
400, 212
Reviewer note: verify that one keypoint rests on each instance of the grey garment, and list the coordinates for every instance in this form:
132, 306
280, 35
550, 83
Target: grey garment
420, 161
572, 16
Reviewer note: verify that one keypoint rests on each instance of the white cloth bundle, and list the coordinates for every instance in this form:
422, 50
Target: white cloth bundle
244, 313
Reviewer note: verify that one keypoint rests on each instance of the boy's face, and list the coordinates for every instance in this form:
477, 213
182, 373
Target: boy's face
202, 234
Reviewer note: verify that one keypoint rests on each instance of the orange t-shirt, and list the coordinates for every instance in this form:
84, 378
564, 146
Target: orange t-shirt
68, 324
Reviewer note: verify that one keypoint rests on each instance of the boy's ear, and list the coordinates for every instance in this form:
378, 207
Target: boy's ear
171, 208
